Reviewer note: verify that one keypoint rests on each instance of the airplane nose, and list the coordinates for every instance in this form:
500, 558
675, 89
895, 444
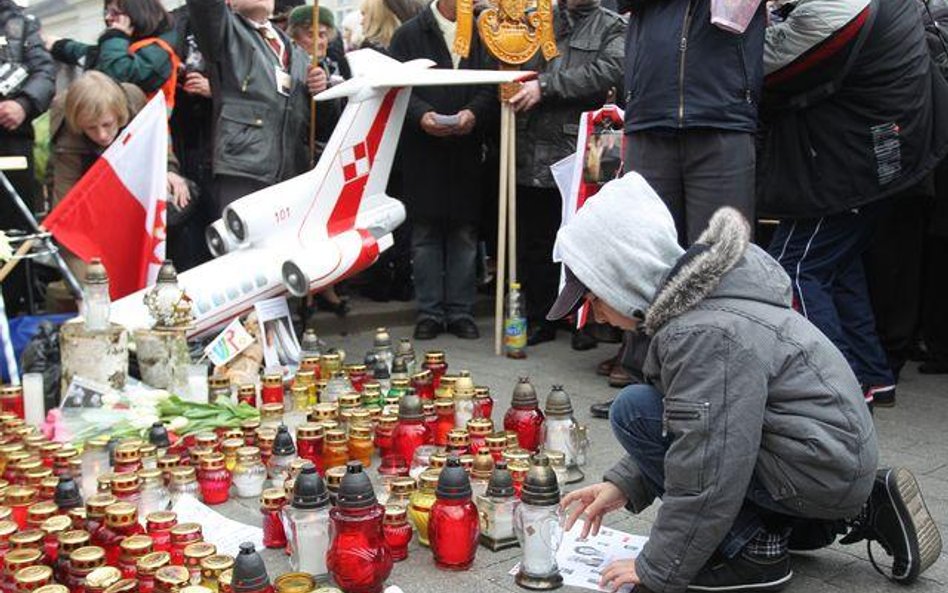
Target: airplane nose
235, 225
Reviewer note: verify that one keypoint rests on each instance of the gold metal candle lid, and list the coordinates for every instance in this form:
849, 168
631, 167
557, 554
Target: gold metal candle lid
17, 559
7, 528
218, 382
5, 511
403, 485
28, 538
336, 435
496, 440
273, 499
121, 514
334, 476
213, 461
86, 557
50, 449
137, 545
148, 451
516, 454
103, 577
149, 563
271, 410
310, 430
184, 530
32, 575
123, 483
231, 433
52, 588
480, 426
19, 495
183, 475
57, 524
217, 563
199, 550
444, 405
127, 453
161, 519
295, 582
151, 477
205, 440
70, 541
325, 410
168, 461
428, 480
40, 511
388, 421
349, 400
458, 437
437, 460
195, 589
122, 586
395, 514
360, 432
248, 453
97, 503
246, 390
272, 379
229, 447
174, 577
434, 356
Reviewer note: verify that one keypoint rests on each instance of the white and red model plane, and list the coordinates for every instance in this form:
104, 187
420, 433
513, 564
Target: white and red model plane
329, 223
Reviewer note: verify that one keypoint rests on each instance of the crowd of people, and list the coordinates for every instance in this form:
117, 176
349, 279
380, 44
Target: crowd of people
823, 123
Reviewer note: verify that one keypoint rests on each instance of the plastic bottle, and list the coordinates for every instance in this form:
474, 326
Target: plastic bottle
515, 324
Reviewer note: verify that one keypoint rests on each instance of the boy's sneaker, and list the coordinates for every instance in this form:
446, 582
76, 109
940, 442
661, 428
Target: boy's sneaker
744, 572
882, 396
896, 517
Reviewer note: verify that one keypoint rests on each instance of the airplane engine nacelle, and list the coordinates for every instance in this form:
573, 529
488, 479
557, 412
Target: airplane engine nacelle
269, 212
325, 262
218, 239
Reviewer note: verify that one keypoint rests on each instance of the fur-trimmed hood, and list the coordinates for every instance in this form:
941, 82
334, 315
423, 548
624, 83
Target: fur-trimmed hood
721, 264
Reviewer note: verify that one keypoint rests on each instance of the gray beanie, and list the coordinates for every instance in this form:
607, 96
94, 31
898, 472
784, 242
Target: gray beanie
621, 244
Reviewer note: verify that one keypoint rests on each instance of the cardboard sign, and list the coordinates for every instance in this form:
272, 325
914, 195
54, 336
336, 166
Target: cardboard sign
231, 342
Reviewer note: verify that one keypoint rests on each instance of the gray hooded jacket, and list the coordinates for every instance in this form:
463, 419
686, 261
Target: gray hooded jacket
751, 388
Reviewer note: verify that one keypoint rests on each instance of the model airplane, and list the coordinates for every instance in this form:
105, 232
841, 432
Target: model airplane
313, 230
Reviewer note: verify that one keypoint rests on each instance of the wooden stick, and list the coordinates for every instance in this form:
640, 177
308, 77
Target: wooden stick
20, 252
512, 192
314, 61
501, 234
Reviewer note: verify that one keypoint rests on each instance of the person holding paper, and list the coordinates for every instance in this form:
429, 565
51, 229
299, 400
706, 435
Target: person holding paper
750, 425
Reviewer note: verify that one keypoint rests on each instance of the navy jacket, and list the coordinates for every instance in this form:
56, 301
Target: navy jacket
683, 72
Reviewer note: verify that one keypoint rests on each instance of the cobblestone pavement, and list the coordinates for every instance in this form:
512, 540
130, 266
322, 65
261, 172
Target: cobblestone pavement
911, 435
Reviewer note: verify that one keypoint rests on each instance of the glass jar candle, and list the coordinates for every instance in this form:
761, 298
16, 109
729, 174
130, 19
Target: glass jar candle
102, 578
7, 529
171, 579
392, 467
121, 521
360, 445
397, 531
224, 581
358, 560
496, 444
194, 554
154, 494
518, 469
400, 490
453, 525
13, 472
158, 526
459, 442
126, 487
524, 416
305, 380
272, 502
334, 477
383, 435
371, 394
479, 429
436, 364
483, 402
537, 523
122, 586
16, 560
166, 463
249, 473
183, 483
215, 479
446, 387
411, 431
335, 448
271, 415
218, 386
480, 473
431, 420
444, 408
249, 428
128, 458
264, 440
46, 452
68, 542
421, 460
283, 453
306, 522
95, 511
146, 568
149, 455
324, 411
182, 535
52, 528
82, 562
11, 400
31, 578
423, 384
247, 394
271, 391
132, 550
19, 499
337, 386
229, 449
309, 443
357, 374
211, 569
38, 512
421, 501
103, 483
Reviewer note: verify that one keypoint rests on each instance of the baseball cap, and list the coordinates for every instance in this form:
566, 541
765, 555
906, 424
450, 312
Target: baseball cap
570, 297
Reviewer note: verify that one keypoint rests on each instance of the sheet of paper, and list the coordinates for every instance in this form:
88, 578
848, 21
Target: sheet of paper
581, 561
224, 533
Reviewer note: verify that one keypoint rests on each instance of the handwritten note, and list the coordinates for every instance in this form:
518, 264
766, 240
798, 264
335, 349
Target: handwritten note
224, 533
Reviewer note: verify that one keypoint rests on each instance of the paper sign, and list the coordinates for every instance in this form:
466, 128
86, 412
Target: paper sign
281, 349
231, 342
582, 561
224, 533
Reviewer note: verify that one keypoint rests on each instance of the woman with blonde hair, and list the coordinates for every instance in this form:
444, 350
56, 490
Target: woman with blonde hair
379, 22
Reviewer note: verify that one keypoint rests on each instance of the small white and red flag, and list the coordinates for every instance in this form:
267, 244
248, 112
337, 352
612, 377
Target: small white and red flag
116, 211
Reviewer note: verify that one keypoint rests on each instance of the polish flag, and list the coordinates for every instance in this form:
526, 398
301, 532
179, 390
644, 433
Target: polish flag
116, 211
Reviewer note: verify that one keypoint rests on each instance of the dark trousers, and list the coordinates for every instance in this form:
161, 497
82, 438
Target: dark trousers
824, 259
538, 218
444, 257
894, 264
934, 326
637, 422
229, 188
15, 286
696, 172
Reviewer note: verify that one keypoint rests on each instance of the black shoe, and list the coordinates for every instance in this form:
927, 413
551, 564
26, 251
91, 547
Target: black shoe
897, 518
743, 573
464, 329
544, 332
582, 341
428, 329
601, 410
881, 396
339, 308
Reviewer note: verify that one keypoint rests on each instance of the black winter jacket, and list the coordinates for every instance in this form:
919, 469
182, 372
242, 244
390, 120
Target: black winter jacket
24, 46
874, 129
683, 72
443, 176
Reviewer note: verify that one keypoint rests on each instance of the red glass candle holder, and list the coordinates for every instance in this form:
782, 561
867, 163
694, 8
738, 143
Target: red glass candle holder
214, 479
272, 502
397, 531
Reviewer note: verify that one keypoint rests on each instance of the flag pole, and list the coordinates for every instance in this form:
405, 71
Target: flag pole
314, 61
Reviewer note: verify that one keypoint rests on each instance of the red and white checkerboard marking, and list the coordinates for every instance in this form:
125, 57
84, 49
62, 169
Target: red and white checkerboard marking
355, 161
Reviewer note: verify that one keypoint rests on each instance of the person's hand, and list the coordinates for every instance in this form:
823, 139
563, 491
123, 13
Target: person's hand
526, 97
178, 190
432, 127
122, 22
12, 114
595, 501
316, 80
466, 121
196, 83
618, 573
48, 40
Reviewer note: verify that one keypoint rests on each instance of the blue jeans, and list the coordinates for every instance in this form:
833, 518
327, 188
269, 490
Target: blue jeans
823, 257
444, 258
636, 417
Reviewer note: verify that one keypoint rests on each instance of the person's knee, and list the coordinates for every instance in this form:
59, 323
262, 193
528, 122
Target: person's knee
633, 404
